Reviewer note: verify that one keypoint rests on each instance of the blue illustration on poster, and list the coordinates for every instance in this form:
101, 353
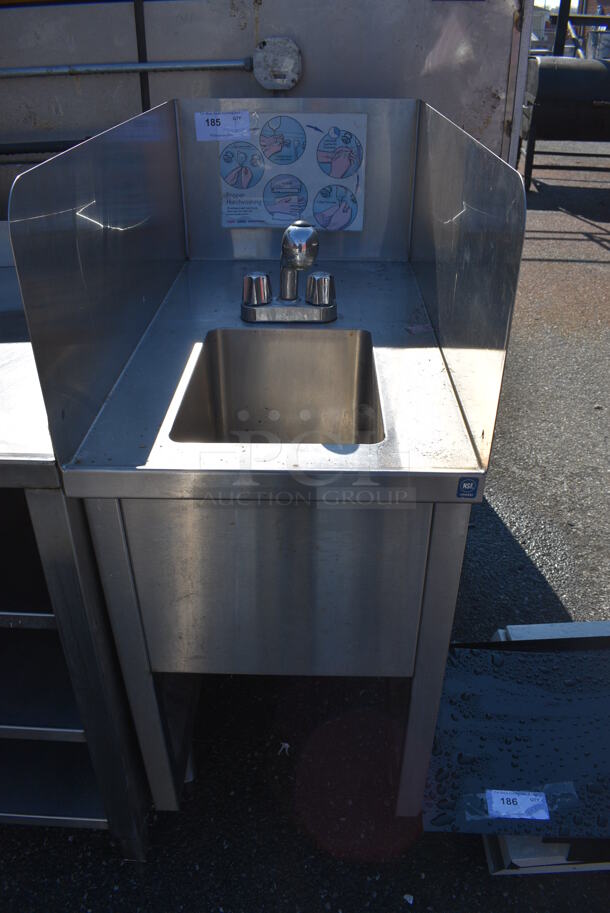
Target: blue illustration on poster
283, 140
285, 198
339, 153
335, 207
241, 165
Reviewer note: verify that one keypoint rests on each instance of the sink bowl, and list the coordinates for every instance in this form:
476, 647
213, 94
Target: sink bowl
282, 386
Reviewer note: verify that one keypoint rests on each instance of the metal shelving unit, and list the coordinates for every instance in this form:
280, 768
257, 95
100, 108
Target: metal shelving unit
68, 754
49, 783
46, 774
36, 695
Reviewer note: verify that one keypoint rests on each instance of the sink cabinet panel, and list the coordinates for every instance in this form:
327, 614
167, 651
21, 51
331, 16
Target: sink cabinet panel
278, 588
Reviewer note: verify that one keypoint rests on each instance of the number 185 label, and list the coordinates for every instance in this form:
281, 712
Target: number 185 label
502, 803
222, 125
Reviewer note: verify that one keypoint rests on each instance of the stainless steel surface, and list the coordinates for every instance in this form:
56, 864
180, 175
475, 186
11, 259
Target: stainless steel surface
28, 620
320, 289
449, 528
36, 694
100, 69
6, 252
64, 551
425, 436
288, 312
106, 524
53, 785
468, 225
24, 434
289, 283
281, 588
256, 289
313, 554
26, 452
300, 245
299, 251
282, 386
277, 63
98, 239
390, 159
64, 544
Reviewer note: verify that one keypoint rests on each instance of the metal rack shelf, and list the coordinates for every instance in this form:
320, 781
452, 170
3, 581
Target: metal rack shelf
49, 783
36, 696
36, 620
25, 597
67, 754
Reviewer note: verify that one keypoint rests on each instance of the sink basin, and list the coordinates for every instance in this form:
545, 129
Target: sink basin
282, 386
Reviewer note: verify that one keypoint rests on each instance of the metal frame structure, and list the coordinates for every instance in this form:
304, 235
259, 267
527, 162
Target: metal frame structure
126, 229
566, 99
68, 753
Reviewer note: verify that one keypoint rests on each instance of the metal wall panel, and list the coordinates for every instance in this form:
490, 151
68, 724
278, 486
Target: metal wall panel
468, 225
282, 588
456, 56
98, 238
67, 107
390, 159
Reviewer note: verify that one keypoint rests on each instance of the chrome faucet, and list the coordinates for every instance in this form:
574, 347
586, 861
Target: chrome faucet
299, 251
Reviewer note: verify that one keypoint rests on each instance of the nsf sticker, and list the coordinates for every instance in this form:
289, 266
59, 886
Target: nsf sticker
467, 488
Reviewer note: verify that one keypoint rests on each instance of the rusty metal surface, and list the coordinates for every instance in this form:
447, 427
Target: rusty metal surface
65, 34
429, 50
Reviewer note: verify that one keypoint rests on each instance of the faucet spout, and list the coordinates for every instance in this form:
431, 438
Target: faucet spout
299, 251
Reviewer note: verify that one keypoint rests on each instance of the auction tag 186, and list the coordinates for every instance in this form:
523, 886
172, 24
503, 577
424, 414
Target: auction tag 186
504, 803
222, 125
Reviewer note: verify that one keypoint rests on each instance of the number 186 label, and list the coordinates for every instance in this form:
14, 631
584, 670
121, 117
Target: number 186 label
222, 125
503, 803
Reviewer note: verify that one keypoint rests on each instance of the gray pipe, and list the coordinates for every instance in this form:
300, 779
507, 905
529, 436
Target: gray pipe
100, 69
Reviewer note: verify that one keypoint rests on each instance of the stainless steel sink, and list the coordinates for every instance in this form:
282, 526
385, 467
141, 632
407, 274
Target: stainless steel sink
282, 386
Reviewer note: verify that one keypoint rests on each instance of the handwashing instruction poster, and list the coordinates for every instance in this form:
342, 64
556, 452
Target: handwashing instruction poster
275, 168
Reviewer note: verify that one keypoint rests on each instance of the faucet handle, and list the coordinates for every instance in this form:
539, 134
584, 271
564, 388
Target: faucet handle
256, 289
299, 245
320, 289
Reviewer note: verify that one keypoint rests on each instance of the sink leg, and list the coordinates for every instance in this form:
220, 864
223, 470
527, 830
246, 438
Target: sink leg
445, 553
108, 534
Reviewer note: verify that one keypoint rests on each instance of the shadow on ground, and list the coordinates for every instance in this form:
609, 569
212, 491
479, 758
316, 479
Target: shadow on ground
500, 585
589, 200
265, 828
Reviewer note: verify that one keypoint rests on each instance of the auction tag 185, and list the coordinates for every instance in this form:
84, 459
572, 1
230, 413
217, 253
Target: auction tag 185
504, 803
222, 125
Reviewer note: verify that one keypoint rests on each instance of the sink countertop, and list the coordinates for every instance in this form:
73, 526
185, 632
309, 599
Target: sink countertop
26, 453
424, 429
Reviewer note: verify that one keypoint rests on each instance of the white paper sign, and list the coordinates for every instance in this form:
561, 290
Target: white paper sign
296, 166
222, 125
504, 803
